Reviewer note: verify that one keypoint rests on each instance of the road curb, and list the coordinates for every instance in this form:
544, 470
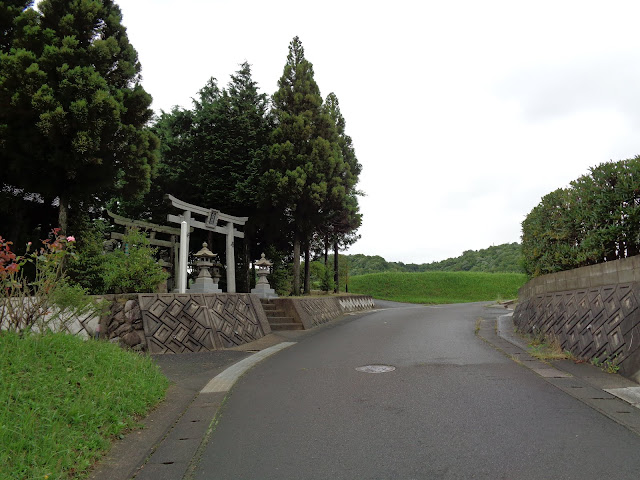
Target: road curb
177, 455
582, 381
226, 379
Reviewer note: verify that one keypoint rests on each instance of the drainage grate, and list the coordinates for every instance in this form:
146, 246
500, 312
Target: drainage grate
376, 368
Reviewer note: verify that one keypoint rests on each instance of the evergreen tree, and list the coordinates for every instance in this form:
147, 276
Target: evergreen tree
213, 155
343, 218
71, 106
303, 160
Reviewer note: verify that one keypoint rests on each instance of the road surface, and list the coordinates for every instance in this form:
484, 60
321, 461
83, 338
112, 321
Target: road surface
453, 408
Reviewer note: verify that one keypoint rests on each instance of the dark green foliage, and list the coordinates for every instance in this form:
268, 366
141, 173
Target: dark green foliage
596, 219
362, 264
71, 106
211, 155
311, 168
506, 258
86, 268
281, 278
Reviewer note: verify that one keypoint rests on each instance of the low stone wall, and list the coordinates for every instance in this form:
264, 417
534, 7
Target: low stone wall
593, 311
182, 323
314, 311
177, 323
123, 321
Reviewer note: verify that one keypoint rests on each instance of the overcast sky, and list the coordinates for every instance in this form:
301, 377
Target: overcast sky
463, 113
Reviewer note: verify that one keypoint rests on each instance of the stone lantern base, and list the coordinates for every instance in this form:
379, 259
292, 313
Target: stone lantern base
264, 291
204, 285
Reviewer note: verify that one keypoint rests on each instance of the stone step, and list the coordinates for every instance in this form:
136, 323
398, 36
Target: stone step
286, 326
274, 313
268, 307
280, 319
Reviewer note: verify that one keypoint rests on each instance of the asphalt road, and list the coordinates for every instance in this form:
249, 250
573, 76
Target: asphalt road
454, 408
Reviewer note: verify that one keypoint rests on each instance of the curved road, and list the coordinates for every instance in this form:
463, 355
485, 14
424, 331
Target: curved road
453, 408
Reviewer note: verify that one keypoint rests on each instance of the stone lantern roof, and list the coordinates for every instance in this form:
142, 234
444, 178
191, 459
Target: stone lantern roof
205, 252
263, 262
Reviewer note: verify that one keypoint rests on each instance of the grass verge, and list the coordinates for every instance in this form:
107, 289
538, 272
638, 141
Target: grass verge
438, 287
63, 400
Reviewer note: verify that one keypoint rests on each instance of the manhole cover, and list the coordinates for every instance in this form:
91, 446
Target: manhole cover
376, 368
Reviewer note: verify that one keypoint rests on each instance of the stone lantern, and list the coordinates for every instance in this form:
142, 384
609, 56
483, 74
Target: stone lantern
205, 282
263, 289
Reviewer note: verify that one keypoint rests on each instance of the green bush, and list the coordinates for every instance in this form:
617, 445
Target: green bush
132, 267
596, 219
321, 276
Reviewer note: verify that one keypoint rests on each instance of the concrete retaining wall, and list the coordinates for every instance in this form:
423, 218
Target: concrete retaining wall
593, 311
314, 311
182, 323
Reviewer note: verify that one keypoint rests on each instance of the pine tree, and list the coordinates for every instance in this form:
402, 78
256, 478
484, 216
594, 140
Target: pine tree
71, 105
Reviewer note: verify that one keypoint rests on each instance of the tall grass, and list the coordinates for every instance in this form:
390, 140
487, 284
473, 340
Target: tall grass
438, 287
62, 401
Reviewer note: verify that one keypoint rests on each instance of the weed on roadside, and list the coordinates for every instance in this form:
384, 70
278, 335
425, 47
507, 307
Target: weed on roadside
608, 365
546, 348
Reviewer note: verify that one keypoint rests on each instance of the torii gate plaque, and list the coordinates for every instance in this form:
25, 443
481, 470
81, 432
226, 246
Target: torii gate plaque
210, 223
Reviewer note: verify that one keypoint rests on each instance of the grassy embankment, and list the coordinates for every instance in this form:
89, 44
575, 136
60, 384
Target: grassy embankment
438, 287
63, 400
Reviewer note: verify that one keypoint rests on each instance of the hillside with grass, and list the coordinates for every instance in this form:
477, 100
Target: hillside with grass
506, 258
64, 401
438, 287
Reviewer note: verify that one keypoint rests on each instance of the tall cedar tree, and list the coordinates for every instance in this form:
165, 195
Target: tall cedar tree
304, 163
344, 217
71, 106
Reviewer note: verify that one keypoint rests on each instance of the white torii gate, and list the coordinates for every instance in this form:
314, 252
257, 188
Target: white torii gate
210, 223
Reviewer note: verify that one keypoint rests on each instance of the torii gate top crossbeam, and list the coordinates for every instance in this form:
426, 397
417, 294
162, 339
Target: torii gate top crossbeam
212, 217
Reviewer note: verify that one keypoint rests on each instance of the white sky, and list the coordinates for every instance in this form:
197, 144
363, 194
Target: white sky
463, 113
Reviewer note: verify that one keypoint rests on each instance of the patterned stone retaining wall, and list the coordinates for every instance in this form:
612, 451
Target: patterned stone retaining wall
182, 323
314, 311
593, 311
177, 323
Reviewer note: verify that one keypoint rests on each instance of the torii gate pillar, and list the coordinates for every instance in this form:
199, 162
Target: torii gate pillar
231, 263
210, 223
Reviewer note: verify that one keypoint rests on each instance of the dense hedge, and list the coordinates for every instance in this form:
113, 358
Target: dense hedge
596, 219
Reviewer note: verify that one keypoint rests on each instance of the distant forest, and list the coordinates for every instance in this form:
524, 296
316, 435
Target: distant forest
505, 258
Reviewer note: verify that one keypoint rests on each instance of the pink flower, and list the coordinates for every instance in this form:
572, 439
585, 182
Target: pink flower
71, 238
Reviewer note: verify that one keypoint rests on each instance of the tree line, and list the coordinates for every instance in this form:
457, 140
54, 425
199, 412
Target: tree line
77, 134
505, 258
596, 219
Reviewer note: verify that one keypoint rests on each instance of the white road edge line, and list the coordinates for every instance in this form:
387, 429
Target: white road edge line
226, 379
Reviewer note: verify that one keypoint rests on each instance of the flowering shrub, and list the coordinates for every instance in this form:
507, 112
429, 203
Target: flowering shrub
46, 301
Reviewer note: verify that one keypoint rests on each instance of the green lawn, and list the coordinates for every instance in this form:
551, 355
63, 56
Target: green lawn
63, 400
438, 287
